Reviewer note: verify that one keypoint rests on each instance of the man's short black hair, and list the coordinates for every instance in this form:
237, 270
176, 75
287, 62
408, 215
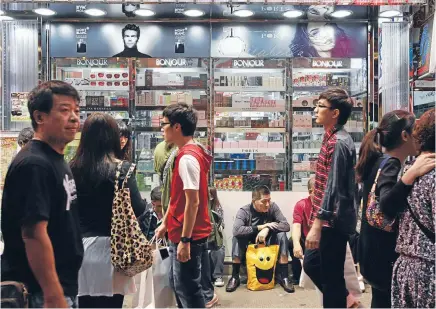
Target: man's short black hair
259, 191
41, 97
156, 194
338, 99
25, 136
132, 27
183, 114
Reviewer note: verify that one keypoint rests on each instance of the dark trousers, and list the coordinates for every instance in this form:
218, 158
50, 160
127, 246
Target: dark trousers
325, 267
36, 300
296, 263
240, 244
206, 279
115, 301
217, 262
380, 298
185, 278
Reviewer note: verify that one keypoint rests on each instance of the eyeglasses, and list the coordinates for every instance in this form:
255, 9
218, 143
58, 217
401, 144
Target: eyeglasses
163, 124
323, 106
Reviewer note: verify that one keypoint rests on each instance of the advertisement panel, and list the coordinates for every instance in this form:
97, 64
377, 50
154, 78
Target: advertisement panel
19, 111
129, 40
313, 39
425, 48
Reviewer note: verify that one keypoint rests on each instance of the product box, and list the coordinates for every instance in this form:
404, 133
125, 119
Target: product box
202, 123
252, 144
226, 145
275, 145
201, 115
262, 144
234, 145
218, 144
244, 144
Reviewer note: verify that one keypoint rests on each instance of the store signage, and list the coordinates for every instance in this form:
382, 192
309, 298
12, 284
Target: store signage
249, 150
92, 62
423, 97
248, 64
171, 62
327, 63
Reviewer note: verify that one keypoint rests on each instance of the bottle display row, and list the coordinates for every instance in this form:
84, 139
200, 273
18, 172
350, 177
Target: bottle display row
257, 120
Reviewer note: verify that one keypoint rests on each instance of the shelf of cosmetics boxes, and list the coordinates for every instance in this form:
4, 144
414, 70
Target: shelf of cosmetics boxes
159, 99
258, 122
246, 102
239, 173
171, 78
98, 79
249, 80
149, 121
302, 80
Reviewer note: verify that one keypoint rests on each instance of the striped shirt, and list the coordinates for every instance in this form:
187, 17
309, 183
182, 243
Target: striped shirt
322, 171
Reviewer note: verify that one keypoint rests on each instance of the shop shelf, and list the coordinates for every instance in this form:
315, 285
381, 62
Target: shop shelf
162, 107
316, 88
253, 130
158, 129
242, 172
247, 89
250, 109
169, 88
104, 109
321, 130
311, 108
250, 150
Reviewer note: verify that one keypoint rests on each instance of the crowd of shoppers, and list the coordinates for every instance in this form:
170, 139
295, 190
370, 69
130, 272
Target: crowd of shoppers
57, 232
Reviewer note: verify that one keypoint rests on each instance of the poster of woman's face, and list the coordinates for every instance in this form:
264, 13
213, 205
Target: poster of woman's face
319, 12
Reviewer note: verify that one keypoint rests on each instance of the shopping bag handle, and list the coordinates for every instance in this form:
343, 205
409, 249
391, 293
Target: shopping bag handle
161, 241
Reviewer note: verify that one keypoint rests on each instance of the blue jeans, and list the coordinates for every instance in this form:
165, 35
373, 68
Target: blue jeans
36, 300
185, 278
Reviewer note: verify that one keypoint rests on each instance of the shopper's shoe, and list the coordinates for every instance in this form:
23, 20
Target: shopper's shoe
233, 284
244, 279
213, 301
219, 282
286, 285
295, 281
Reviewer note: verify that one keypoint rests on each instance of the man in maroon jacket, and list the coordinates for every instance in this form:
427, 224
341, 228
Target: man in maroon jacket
187, 219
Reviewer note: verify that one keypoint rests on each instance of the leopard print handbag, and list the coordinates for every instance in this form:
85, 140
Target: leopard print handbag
131, 253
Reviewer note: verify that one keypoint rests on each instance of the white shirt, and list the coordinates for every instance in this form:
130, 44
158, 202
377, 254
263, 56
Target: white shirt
189, 171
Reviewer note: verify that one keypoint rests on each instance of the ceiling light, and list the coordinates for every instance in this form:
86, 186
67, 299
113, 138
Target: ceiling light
4, 17
1, 12
144, 12
95, 12
44, 12
384, 20
390, 13
292, 14
243, 13
341, 13
193, 13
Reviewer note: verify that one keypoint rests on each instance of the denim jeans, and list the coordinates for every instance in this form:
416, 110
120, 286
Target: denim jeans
36, 300
217, 262
185, 278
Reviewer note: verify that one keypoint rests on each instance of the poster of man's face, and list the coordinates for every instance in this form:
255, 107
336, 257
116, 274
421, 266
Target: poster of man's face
130, 38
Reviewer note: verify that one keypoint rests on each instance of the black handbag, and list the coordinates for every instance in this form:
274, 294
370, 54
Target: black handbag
14, 295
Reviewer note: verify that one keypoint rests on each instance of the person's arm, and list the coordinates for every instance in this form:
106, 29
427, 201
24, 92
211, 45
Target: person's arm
283, 225
35, 203
191, 209
297, 217
296, 234
41, 260
241, 227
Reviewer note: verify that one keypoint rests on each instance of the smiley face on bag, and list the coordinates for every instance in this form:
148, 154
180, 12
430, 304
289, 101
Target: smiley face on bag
264, 264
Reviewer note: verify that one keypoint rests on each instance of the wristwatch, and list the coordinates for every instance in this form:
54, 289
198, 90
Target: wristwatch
186, 240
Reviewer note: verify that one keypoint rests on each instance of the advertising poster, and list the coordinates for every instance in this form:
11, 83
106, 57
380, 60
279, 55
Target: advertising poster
138, 40
19, 111
7, 152
425, 52
313, 39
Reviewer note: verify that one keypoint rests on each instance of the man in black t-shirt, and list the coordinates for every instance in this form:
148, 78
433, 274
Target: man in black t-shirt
261, 221
43, 245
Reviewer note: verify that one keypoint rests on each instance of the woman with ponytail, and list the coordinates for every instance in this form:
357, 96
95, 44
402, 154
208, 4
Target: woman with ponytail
385, 148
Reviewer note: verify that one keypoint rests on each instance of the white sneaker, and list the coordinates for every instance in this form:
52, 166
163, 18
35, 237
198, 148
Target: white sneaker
219, 282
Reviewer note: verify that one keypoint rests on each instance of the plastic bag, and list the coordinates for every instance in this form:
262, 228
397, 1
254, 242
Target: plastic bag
261, 264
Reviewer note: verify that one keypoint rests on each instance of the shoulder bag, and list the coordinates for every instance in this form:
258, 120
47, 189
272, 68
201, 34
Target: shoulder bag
14, 295
374, 215
424, 229
131, 253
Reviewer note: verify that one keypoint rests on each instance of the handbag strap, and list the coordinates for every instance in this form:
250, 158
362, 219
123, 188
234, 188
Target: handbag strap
424, 229
382, 164
129, 173
118, 173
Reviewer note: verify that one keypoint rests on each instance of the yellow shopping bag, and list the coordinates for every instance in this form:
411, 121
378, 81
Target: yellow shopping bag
261, 265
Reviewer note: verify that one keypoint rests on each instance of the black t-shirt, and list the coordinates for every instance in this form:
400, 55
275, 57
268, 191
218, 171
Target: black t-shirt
39, 186
257, 218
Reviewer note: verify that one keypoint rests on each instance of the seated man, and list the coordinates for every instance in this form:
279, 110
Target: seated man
260, 222
153, 214
300, 228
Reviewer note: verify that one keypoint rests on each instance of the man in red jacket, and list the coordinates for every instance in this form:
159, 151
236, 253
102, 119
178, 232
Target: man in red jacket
187, 219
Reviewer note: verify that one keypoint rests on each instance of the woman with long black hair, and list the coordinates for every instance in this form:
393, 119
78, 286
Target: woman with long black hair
125, 140
94, 167
385, 148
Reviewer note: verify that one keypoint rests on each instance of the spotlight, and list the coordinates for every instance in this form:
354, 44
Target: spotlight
341, 13
390, 13
95, 12
292, 14
44, 12
193, 13
243, 13
144, 12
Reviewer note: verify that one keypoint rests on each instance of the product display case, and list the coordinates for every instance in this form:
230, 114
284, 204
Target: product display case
103, 85
310, 77
159, 83
250, 124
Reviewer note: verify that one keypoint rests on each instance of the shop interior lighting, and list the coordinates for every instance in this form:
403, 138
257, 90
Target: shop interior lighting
243, 13
144, 12
293, 14
341, 13
193, 13
4, 17
44, 12
95, 12
1, 12
390, 13
384, 20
